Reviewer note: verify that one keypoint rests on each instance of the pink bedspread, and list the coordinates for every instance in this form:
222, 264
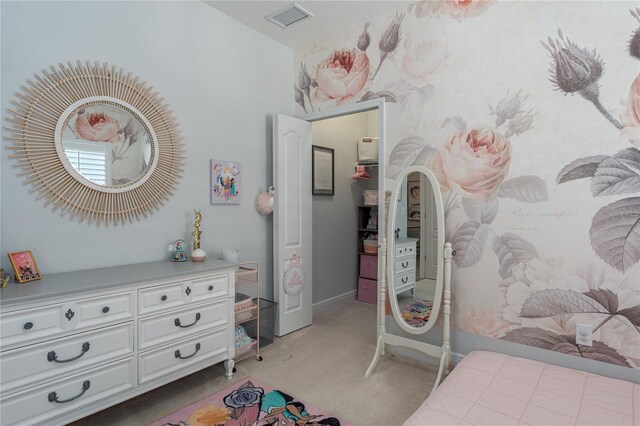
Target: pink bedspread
488, 388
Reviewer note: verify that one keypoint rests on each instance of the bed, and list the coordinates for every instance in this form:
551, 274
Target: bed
488, 388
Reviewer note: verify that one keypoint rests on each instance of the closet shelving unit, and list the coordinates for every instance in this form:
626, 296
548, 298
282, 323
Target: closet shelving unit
248, 274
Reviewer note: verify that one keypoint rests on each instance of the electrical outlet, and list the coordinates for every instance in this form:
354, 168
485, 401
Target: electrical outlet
584, 334
170, 247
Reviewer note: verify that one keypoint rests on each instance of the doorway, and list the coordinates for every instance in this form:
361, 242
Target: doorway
331, 264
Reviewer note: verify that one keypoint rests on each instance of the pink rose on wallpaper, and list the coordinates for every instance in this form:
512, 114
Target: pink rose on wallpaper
96, 126
420, 59
342, 76
473, 162
457, 9
483, 322
631, 117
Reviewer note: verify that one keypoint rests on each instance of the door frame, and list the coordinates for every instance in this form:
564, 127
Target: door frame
373, 104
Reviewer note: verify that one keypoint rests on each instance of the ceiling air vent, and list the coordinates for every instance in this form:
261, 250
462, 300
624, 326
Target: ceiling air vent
288, 15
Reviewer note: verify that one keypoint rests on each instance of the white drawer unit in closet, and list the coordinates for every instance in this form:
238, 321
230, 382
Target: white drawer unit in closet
166, 360
36, 405
405, 264
167, 327
49, 360
72, 343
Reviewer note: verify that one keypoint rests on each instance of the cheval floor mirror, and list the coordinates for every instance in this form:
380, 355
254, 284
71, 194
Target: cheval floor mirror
416, 268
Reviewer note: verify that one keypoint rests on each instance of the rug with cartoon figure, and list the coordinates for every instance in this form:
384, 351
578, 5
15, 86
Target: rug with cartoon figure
249, 403
417, 313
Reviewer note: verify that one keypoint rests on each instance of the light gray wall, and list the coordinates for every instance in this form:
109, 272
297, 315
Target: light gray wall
335, 248
223, 81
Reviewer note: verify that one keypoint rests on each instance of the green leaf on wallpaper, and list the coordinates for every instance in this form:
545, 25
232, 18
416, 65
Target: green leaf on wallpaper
619, 174
483, 212
632, 314
615, 233
606, 298
528, 189
580, 168
545, 339
468, 242
552, 302
404, 154
386, 95
512, 249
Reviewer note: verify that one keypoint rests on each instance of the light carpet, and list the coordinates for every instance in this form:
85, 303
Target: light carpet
323, 364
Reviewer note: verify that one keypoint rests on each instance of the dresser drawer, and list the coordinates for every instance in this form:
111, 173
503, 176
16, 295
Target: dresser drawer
37, 405
49, 360
405, 282
164, 328
405, 250
26, 326
159, 298
99, 311
405, 265
369, 266
175, 356
209, 288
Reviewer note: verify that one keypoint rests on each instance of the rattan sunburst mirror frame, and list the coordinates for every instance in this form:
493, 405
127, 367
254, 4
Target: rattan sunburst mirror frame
41, 108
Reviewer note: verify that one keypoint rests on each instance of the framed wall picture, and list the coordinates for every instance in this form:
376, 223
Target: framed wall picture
413, 204
225, 182
322, 170
24, 266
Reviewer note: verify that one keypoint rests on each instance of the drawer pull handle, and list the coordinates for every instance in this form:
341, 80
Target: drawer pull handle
405, 280
53, 357
188, 291
405, 264
210, 288
164, 297
53, 396
70, 314
28, 326
178, 355
178, 324
105, 310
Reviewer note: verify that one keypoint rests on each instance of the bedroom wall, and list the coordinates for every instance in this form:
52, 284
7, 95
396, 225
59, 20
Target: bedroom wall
528, 112
223, 81
335, 220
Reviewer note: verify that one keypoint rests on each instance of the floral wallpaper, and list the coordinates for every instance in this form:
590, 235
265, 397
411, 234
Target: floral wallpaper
529, 115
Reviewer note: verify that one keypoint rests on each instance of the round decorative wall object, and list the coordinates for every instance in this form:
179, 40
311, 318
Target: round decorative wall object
95, 142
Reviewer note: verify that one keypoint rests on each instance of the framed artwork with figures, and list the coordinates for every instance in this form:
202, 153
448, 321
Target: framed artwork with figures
24, 266
225, 182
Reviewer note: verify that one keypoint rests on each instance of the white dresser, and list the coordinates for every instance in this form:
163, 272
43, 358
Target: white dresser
75, 343
405, 265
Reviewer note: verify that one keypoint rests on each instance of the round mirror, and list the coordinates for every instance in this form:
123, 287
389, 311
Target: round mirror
106, 143
415, 250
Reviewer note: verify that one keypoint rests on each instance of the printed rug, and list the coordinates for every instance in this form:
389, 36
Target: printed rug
249, 402
417, 313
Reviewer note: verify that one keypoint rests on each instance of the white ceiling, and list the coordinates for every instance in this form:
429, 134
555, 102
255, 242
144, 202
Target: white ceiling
329, 17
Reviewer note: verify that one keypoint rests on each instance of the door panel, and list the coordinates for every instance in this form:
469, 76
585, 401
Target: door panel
292, 220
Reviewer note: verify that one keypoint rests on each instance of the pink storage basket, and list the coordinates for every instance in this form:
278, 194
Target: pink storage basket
367, 290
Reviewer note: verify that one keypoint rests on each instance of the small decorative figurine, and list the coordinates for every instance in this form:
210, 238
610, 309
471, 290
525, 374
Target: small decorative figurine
4, 278
197, 255
179, 253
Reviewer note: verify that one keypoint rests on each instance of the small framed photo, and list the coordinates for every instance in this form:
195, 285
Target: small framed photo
322, 170
24, 266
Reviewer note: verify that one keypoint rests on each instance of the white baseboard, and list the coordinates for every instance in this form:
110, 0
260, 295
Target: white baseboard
333, 301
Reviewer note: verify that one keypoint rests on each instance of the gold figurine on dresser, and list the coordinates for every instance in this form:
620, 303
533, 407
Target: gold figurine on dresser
197, 255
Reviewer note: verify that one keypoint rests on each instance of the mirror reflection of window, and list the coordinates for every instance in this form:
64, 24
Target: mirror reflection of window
90, 160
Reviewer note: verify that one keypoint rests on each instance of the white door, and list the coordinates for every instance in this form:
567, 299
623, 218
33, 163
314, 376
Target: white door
292, 223
429, 231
